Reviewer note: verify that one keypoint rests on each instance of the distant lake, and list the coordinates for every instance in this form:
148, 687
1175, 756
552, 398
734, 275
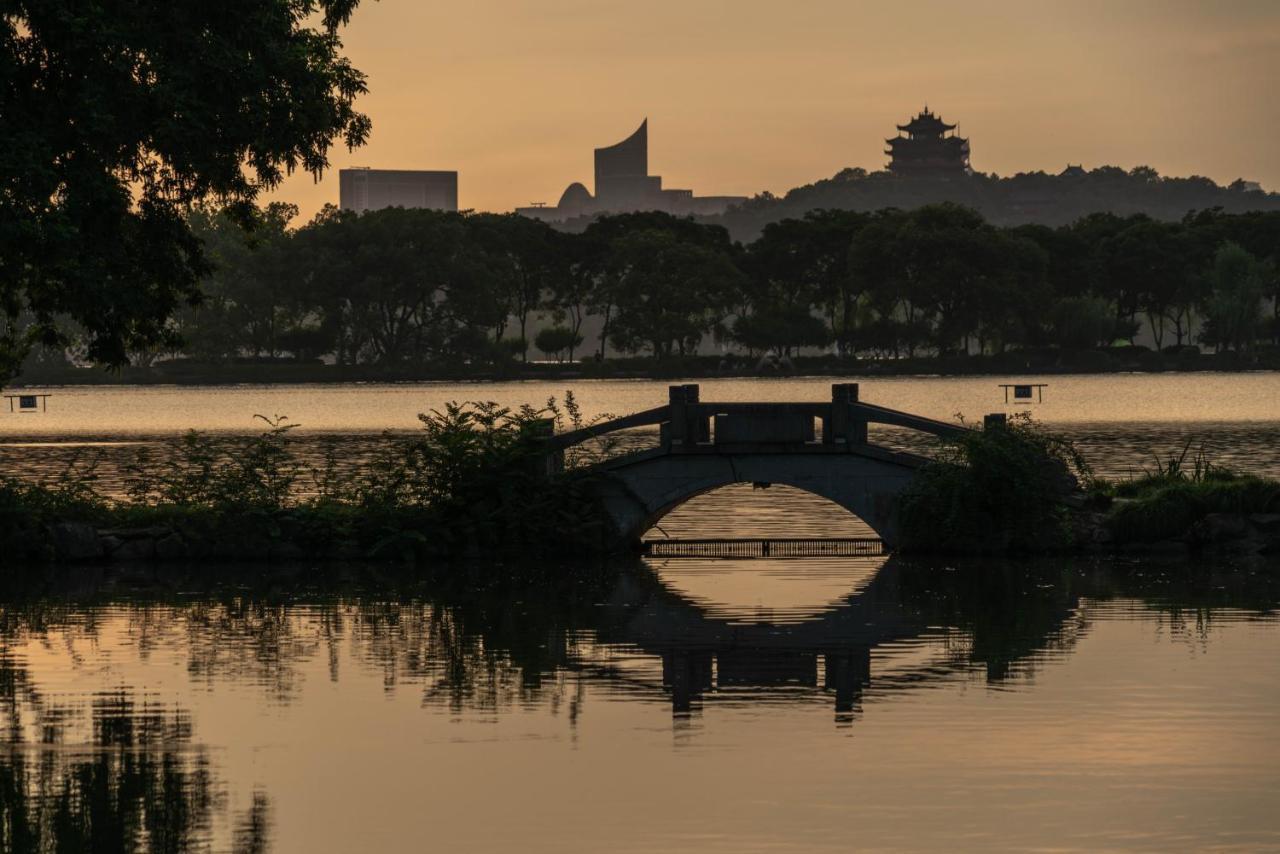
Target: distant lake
1119, 420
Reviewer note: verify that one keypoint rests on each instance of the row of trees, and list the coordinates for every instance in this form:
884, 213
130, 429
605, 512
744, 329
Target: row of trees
1049, 199
420, 287
416, 287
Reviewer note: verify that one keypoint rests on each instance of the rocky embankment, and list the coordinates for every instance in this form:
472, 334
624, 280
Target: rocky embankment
1221, 533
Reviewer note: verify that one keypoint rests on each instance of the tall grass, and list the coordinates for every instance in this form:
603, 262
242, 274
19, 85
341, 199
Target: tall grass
1165, 501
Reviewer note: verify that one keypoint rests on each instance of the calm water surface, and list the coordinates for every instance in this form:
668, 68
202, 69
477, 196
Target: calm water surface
687, 706
1119, 420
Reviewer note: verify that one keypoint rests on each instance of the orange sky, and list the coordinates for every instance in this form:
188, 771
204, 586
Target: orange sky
751, 95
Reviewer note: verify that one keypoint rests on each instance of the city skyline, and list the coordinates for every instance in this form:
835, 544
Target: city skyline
766, 100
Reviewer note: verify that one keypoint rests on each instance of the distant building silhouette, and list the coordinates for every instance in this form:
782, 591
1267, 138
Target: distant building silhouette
363, 190
623, 181
623, 185
927, 150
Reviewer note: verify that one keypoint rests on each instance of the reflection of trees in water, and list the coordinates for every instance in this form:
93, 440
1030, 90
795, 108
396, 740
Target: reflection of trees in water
496, 648
1003, 617
138, 785
483, 654
245, 640
140, 800
122, 772
119, 773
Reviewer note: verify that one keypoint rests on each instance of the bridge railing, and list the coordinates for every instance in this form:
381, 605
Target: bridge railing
687, 424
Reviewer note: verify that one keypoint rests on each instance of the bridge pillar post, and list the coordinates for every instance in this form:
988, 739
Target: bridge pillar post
843, 426
687, 427
539, 430
848, 671
678, 425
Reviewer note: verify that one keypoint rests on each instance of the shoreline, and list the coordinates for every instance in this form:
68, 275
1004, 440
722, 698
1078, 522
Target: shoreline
1121, 360
294, 535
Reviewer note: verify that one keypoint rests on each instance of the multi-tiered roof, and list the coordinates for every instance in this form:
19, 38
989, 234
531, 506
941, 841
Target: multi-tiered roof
929, 148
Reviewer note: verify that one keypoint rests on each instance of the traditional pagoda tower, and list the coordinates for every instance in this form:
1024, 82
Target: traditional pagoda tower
927, 150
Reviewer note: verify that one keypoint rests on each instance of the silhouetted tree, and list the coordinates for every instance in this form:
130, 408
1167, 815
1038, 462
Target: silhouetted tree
252, 301
118, 117
1234, 310
526, 258
580, 267
671, 292
556, 340
794, 267
1081, 323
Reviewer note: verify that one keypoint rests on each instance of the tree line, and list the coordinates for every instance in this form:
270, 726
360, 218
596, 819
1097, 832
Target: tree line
1040, 197
424, 288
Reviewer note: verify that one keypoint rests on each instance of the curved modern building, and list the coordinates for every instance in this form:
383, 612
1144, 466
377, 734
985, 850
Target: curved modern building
623, 181
623, 184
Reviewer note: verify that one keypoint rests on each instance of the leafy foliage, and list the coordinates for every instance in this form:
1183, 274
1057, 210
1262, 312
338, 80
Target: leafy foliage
995, 490
27, 509
1160, 508
477, 479
121, 115
1181, 489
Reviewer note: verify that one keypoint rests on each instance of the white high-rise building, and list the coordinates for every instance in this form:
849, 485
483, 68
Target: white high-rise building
363, 190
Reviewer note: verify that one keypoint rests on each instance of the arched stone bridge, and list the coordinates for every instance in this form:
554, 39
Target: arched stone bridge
704, 446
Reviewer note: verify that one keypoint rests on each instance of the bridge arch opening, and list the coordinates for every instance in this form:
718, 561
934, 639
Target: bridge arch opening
759, 590
756, 510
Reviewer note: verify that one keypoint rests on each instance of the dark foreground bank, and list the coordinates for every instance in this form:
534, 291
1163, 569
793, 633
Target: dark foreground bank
475, 482
478, 483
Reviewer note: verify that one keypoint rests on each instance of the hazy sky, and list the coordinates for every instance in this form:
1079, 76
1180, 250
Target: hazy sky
755, 95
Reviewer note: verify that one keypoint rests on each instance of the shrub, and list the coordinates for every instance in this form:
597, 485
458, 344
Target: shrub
557, 340
995, 490
28, 509
1164, 510
477, 479
1180, 490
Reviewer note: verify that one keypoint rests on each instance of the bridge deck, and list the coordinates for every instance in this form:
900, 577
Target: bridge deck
690, 426
704, 446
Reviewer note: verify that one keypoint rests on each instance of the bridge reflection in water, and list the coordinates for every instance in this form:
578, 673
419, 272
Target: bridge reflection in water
839, 647
95, 756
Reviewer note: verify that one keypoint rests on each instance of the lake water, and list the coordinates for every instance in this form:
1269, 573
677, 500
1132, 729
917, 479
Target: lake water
686, 706
682, 705
1119, 420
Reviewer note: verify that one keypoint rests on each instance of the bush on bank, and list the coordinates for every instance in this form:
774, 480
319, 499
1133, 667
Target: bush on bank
1171, 500
1020, 489
998, 490
475, 481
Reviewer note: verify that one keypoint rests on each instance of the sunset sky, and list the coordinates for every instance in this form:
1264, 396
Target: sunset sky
754, 95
